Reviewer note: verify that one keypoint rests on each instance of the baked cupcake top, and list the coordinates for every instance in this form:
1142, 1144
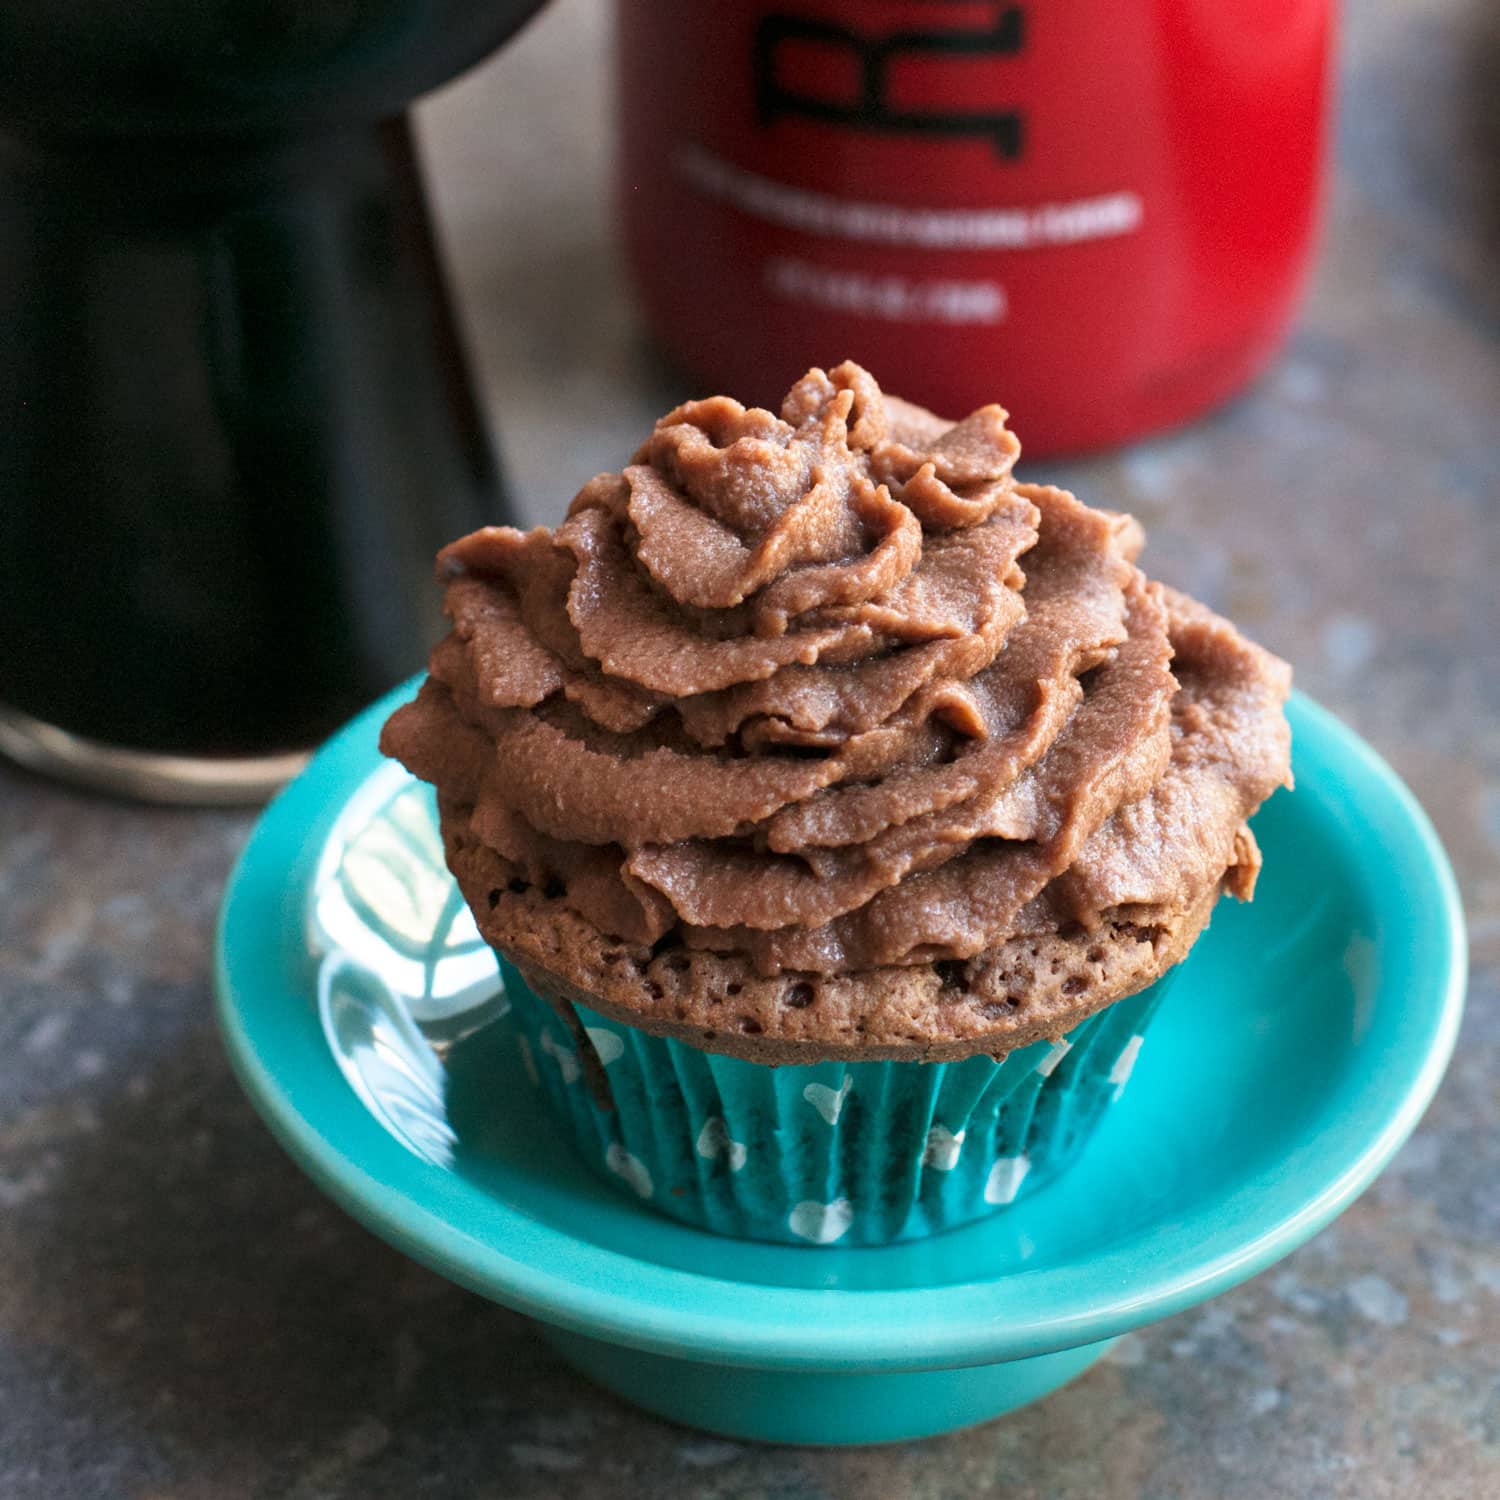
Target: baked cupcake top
817, 735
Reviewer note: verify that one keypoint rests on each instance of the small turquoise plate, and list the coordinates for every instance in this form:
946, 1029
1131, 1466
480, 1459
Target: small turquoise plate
1300, 1046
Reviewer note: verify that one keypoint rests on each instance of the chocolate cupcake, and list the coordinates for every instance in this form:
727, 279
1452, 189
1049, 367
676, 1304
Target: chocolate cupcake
836, 805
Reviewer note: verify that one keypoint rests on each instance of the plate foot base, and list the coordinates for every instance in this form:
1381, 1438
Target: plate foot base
820, 1407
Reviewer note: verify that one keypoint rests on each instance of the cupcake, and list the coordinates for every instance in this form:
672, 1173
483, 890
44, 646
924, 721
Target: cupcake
837, 806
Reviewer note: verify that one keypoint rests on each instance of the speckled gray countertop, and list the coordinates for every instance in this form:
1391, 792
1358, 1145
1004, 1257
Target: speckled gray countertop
183, 1317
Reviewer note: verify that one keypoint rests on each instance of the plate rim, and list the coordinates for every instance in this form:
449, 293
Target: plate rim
606, 1294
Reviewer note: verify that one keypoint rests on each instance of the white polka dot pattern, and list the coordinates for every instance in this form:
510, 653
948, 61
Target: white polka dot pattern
565, 1057
943, 1146
629, 1168
714, 1138
821, 1223
607, 1044
828, 1102
1119, 1075
1005, 1179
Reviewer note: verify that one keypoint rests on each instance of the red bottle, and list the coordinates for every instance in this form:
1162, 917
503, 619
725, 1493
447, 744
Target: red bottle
1097, 211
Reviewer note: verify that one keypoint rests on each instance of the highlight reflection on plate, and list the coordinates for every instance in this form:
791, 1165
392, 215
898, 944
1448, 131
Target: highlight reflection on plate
402, 972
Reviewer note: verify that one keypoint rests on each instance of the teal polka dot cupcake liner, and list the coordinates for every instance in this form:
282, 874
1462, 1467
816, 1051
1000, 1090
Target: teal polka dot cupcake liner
863, 1153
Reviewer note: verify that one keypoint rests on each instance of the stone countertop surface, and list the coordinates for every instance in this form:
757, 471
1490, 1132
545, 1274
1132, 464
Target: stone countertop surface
184, 1317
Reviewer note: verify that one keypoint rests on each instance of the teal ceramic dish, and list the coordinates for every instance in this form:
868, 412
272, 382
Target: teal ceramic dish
866, 1153
1296, 1051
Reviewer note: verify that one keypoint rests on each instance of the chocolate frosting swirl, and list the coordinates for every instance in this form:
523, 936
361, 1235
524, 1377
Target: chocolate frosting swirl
828, 693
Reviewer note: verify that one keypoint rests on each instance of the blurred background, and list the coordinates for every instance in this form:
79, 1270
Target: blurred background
182, 1315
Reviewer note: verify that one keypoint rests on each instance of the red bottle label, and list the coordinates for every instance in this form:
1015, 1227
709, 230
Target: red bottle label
1096, 211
